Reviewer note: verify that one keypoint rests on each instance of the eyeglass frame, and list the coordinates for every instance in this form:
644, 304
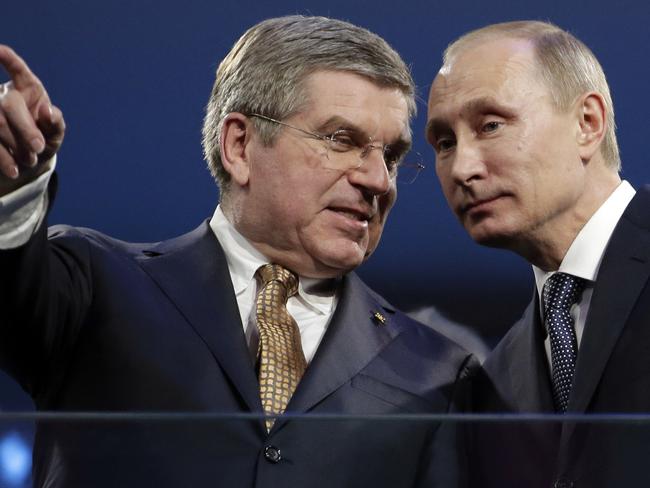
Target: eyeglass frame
365, 150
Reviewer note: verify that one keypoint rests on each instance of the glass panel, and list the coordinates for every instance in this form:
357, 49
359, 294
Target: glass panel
195, 450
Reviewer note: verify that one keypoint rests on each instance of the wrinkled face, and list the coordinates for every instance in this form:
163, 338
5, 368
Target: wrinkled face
506, 158
317, 221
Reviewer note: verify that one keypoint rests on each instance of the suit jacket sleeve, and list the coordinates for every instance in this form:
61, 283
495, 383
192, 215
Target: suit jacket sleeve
45, 290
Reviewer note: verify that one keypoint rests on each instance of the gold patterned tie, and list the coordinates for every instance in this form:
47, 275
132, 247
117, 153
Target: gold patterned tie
281, 360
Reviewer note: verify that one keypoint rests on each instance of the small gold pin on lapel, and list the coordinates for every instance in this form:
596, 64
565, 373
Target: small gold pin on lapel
378, 318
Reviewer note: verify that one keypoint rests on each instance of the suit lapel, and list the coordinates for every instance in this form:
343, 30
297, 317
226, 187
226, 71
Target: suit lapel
623, 274
352, 340
192, 271
527, 365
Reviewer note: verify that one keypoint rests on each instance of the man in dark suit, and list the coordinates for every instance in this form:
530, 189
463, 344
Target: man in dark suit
305, 132
522, 122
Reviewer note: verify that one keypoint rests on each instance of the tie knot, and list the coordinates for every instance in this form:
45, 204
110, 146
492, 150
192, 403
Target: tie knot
561, 291
275, 273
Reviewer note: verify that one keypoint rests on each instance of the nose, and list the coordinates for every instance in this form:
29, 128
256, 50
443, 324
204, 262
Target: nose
467, 164
372, 174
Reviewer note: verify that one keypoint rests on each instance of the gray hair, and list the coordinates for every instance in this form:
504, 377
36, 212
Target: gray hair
265, 72
567, 66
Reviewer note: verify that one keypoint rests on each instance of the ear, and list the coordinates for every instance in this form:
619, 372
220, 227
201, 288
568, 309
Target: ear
592, 122
236, 132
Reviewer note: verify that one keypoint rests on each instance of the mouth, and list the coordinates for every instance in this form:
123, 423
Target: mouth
480, 204
353, 214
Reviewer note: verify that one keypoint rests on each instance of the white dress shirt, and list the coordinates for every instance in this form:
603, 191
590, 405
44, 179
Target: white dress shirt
23, 210
585, 255
312, 307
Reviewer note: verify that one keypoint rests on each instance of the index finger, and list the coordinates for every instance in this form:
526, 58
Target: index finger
17, 68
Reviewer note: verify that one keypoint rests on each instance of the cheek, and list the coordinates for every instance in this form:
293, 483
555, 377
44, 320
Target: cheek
303, 197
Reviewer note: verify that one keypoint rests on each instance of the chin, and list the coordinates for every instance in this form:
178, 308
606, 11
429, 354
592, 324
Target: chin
344, 258
489, 237
345, 263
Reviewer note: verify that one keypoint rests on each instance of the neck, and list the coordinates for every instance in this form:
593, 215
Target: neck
547, 245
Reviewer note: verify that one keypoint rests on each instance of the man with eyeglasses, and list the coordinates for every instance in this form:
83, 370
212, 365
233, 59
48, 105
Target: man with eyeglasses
255, 311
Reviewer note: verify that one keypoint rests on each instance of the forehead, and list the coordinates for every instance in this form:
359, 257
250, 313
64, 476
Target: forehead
498, 69
378, 110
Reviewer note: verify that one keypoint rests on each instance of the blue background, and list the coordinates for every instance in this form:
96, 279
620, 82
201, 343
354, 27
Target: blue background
133, 77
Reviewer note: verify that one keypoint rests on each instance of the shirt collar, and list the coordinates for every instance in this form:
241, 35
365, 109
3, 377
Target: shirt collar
586, 251
244, 260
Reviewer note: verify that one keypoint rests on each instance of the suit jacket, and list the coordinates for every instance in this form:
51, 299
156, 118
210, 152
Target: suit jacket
93, 324
612, 375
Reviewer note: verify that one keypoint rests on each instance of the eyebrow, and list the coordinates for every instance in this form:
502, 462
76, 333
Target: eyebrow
341, 123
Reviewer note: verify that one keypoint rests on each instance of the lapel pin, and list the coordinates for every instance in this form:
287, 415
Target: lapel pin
378, 318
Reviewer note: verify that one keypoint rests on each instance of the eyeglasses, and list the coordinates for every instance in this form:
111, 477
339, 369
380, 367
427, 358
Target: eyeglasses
347, 149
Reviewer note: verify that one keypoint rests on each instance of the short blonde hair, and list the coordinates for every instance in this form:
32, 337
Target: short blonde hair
568, 67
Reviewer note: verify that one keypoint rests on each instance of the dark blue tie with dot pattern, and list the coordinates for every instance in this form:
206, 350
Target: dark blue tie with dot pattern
561, 291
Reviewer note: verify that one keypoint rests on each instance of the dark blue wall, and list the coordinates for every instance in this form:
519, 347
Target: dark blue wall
132, 78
